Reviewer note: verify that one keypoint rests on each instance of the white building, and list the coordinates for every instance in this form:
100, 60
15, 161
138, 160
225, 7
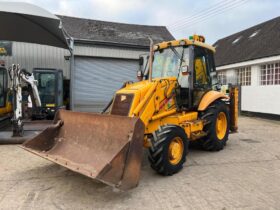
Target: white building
251, 58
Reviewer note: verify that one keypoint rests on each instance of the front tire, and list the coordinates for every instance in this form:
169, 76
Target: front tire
169, 150
216, 126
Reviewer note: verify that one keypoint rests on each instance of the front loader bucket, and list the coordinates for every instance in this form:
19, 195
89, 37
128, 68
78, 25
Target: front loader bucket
104, 147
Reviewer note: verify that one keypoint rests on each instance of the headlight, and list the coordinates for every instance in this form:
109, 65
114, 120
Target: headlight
182, 42
156, 47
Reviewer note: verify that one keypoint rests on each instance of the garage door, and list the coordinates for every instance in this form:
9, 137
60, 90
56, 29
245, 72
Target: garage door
96, 80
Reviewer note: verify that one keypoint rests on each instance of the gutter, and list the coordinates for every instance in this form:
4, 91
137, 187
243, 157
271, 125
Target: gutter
266, 59
116, 44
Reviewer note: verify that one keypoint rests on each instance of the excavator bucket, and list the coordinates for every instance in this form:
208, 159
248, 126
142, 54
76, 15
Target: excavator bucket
103, 147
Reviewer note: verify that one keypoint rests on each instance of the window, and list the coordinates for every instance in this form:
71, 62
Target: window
46, 87
236, 40
167, 62
244, 76
203, 65
277, 74
270, 74
254, 34
222, 77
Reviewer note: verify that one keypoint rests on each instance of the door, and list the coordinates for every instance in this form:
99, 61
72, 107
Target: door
203, 66
97, 79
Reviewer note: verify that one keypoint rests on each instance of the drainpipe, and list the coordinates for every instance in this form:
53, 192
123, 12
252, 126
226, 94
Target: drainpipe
72, 73
151, 59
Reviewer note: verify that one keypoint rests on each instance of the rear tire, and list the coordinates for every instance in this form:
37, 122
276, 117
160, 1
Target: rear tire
169, 150
216, 126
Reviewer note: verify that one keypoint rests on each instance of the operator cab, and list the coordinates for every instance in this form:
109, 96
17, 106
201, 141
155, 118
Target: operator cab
50, 87
192, 63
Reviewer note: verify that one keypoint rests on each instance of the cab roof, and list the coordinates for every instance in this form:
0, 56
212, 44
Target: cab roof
183, 42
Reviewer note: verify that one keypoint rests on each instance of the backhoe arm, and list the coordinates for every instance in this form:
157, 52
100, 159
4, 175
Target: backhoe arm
20, 78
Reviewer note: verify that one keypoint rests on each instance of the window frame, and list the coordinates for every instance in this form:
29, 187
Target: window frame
222, 77
210, 66
269, 74
244, 75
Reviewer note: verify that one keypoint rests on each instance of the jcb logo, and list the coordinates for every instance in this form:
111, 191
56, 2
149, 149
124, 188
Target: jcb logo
3, 51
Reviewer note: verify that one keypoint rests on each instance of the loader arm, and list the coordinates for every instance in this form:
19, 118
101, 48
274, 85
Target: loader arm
150, 101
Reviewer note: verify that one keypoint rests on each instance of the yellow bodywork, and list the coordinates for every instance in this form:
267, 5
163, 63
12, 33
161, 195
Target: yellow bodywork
209, 98
7, 109
154, 102
176, 43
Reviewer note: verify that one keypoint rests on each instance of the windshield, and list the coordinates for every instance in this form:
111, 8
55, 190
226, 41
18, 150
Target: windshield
167, 62
46, 87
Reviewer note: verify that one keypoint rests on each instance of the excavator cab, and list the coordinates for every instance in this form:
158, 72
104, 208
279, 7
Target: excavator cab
192, 66
50, 87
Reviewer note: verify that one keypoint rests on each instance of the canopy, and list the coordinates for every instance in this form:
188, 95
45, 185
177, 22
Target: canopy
23, 22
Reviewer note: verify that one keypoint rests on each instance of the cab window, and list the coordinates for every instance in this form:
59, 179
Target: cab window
167, 62
46, 87
202, 68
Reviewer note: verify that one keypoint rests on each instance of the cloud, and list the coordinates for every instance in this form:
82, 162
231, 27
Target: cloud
166, 12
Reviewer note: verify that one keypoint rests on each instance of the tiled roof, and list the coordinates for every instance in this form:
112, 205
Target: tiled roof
262, 40
112, 32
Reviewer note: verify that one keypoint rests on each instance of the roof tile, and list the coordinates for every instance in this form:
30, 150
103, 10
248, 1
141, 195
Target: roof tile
264, 44
121, 33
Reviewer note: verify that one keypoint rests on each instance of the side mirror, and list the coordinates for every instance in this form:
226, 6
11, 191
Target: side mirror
139, 75
185, 70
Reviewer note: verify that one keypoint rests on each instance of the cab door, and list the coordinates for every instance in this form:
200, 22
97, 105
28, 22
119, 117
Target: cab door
203, 65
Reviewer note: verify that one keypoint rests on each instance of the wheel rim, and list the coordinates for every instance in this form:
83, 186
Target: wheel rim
221, 125
175, 151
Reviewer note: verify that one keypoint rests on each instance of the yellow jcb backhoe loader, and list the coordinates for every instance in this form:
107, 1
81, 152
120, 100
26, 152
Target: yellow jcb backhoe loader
175, 105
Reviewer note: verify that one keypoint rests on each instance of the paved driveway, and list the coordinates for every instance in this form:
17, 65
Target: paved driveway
245, 175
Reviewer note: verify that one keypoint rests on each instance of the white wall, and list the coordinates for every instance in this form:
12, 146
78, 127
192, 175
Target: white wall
263, 99
260, 98
256, 97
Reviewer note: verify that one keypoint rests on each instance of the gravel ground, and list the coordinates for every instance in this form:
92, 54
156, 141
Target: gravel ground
245, 175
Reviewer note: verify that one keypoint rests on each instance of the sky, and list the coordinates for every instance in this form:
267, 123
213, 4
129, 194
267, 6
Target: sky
215, 19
